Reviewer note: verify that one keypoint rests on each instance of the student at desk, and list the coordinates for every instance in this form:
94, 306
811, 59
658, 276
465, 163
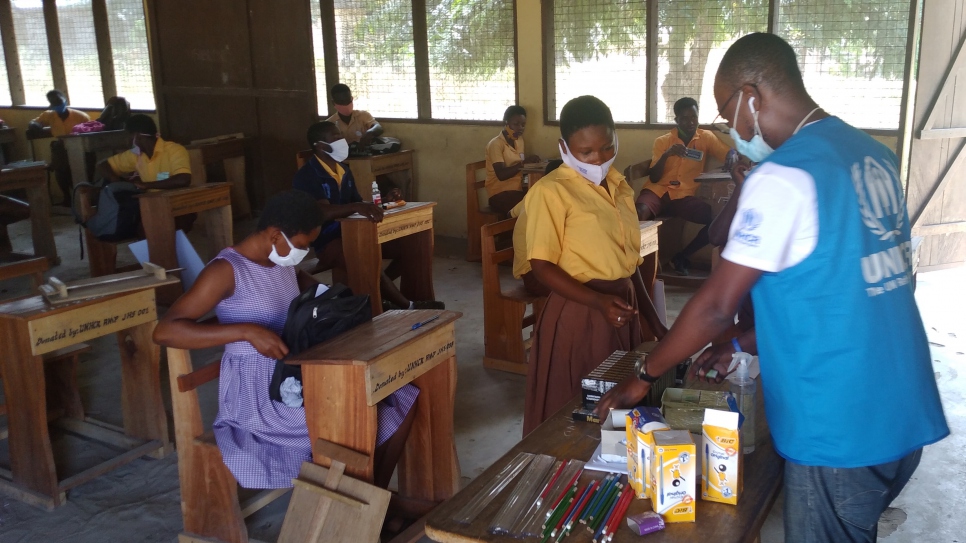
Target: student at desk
250, 287
329, 180
678, 158
58, 121
504, 160
155, 163
583, 242
356, 126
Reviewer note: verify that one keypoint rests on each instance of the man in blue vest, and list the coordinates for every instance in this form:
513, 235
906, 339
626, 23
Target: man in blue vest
821, 240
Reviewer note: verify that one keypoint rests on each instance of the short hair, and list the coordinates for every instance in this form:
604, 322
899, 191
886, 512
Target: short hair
141, 124
684, 103
761, 58
512, 112
56, 92
340, 88
318, 130
293, 212
582, 112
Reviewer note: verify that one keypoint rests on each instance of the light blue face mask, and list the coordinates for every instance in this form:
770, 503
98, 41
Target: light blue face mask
60, 108
757, 149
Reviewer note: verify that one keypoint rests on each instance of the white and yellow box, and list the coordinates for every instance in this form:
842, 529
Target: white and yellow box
723, 465
673, 475
641, 423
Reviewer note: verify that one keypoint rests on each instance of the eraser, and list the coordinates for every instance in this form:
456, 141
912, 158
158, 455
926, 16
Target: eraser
711, 374
645, 523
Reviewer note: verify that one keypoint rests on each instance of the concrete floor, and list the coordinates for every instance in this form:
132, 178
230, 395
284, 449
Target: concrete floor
140, 502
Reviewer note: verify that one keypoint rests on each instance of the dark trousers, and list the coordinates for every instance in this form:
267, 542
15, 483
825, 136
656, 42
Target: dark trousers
504, 201
689, 208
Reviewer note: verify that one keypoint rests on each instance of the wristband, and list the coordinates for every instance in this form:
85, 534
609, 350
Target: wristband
734, 343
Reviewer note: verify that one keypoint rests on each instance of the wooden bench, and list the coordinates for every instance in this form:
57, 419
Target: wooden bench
504, 307
33, 267
477, 214
209, 492
101, 255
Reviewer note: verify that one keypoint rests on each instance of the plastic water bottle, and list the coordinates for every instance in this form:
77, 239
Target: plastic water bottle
376, 197
744, 389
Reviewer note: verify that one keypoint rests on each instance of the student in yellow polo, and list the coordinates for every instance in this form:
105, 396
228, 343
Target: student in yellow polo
156, 163
55, 122
504, 160
678, 158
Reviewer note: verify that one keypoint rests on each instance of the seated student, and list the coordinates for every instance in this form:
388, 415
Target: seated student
355, 125
672, 173
330, 182
521, 266
583, 242
250, 286
58, 121
152, 163
504, 160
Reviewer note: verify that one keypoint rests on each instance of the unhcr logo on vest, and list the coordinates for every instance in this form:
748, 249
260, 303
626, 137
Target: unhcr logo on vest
750, 221
883, 211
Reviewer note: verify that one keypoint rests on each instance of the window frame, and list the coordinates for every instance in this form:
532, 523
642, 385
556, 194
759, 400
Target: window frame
105, 54
330, 51
651, 90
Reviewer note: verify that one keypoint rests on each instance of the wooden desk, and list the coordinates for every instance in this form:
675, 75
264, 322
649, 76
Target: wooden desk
34, 180
649, 247
534, 171
8, 137
30, 328
160, 207
412, 224
560, 436
398, 166
231, 154
100, 144
344, 378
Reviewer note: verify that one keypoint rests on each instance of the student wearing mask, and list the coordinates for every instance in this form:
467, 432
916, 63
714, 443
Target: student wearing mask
152, 162
583, 242
355, 125
821, 240
329, 180
504, 159
250, 287
678, 157
58, 121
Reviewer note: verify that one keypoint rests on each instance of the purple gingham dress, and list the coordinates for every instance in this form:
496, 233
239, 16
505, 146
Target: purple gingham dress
263, 442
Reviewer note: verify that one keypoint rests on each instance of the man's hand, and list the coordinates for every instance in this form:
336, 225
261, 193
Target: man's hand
615, 310
370, 211
626, 394
676, 150
717, 357
531, 159
739, 172
366, 140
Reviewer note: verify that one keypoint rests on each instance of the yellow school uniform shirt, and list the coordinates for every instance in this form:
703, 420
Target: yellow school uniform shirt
359, 122
337, 174
520, 263
169, 159
498, 150
682, 169
590, 231
58, 126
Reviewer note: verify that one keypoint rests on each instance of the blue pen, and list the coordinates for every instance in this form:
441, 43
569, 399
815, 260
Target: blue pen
661, 460
707, 465
427, 321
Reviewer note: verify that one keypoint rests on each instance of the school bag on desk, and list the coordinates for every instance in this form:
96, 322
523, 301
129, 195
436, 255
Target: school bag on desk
311, 320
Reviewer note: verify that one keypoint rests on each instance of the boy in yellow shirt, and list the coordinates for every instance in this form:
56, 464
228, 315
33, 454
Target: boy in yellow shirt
156, 163
58, 121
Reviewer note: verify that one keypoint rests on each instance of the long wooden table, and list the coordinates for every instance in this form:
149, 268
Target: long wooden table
30, 329
412, 225
33, 179
8, 137
344, 378
398, 166
100, 144
560, 436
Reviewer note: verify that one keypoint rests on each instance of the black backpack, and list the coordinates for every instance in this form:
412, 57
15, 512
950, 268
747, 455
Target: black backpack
118, 211
313, 319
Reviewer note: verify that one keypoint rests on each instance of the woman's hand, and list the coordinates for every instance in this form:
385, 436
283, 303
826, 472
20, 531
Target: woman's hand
717, 357
616, 310
625, 395
266, 342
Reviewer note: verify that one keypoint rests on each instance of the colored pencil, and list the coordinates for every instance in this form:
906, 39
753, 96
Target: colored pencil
601, 490
621, 512
594, 521
570, 485
553, 480
559, 524
581, 504
609, 522
559, 510
595, 513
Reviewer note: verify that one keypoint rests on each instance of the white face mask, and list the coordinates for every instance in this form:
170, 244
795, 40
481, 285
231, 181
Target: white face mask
136, 150
340, 150
757, 149
293, 257
591, 172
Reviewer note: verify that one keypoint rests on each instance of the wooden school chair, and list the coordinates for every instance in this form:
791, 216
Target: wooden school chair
101, 255
209, 492
504, 306
478, 213
229, 151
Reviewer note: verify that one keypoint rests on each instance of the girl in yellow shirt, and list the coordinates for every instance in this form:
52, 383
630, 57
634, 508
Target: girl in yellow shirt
584, 244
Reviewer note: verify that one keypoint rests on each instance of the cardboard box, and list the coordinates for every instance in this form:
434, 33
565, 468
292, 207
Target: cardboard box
617, 366
673, 475
640, 424
683, 408
723, 461
613, 435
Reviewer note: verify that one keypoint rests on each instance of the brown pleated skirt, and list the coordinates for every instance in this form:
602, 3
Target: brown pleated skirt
571, 340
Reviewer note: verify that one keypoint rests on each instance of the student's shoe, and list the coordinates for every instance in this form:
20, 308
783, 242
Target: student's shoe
680, 265
388, 306
428, 304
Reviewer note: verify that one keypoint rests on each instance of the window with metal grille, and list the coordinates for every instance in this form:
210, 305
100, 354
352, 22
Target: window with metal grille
76, 22
129, 46
5, 98
376, 55
31, 32
319, 50
852, 54
692, 38
472, 67
599, 49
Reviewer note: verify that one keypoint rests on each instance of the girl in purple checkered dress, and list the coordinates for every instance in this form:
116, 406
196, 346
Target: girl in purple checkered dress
250, 287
